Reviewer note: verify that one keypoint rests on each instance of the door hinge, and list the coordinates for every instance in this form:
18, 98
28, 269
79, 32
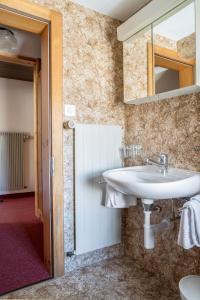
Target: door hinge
52, 166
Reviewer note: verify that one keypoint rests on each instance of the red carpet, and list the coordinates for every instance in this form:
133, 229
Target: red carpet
21, 245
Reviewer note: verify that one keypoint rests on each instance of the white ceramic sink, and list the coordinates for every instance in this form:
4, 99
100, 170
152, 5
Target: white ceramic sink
147, 182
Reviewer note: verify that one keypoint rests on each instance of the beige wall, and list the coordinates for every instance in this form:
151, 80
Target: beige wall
186, 47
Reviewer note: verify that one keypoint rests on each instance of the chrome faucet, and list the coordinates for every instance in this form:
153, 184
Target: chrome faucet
162, 163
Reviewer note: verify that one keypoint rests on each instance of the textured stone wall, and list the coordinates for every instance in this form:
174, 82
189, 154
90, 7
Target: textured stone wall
92, 80
135, 66
186, 47
173, 127
164, 42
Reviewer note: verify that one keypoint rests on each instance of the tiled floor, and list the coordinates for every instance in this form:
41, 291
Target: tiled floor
117, 278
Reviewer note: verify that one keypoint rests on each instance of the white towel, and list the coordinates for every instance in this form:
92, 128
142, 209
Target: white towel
118, 200
189, 231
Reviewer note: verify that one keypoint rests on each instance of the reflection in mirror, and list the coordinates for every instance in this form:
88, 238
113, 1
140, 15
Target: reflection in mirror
135, 65
165, 79
174, 50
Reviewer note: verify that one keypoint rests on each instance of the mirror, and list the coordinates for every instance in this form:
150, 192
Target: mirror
173, 50
135, 62
162, 57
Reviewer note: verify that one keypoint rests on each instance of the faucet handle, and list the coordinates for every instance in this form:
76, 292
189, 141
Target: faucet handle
146, 161
164, 158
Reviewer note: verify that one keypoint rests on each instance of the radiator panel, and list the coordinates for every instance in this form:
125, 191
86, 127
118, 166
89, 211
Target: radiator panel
11, 161
96, 150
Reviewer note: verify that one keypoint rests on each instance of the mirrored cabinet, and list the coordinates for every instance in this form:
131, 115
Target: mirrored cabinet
161, 60
135, 65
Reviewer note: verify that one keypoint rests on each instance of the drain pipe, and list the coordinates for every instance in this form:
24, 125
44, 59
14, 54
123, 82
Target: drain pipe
149, 240
150, 230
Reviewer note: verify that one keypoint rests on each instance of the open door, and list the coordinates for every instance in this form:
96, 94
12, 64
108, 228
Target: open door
43, 146
38, 140
44, 149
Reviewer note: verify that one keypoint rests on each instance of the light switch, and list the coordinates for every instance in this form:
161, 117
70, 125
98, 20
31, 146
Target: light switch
70, 110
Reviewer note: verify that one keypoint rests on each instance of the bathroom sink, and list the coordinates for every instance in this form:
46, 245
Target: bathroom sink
147, 182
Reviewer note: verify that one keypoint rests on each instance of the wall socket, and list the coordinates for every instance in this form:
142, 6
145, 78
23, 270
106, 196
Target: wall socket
70, 110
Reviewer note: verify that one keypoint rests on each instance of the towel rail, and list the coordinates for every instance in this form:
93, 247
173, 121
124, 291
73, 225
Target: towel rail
179, 210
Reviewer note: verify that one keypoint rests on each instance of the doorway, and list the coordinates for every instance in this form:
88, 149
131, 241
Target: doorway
39, 20
24, 165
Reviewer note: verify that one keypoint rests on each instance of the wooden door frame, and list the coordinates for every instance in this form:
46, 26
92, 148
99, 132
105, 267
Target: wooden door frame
17, 59
21, 14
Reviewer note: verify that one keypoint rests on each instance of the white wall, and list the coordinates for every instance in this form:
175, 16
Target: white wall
17, 115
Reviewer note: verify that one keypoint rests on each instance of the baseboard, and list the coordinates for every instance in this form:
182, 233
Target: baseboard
17, 195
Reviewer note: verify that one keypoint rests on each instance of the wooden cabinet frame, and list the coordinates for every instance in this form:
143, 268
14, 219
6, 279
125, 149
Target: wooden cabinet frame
23, 15
170, 59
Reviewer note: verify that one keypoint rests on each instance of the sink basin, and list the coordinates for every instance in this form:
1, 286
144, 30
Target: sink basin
147, 182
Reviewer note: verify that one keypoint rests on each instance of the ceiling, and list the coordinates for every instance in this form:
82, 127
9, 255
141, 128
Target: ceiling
117, 9
28, 44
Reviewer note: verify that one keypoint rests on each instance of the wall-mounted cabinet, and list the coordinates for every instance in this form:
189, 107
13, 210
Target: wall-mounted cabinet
161, 60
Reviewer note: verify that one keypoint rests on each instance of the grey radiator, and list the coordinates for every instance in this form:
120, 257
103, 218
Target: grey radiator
11, 161
96, 150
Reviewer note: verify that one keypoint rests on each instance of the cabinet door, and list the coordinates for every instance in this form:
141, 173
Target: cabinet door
136, 55
160, 61
174, 49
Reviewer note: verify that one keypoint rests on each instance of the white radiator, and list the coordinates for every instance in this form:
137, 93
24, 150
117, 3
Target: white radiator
11, 161
96, 150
